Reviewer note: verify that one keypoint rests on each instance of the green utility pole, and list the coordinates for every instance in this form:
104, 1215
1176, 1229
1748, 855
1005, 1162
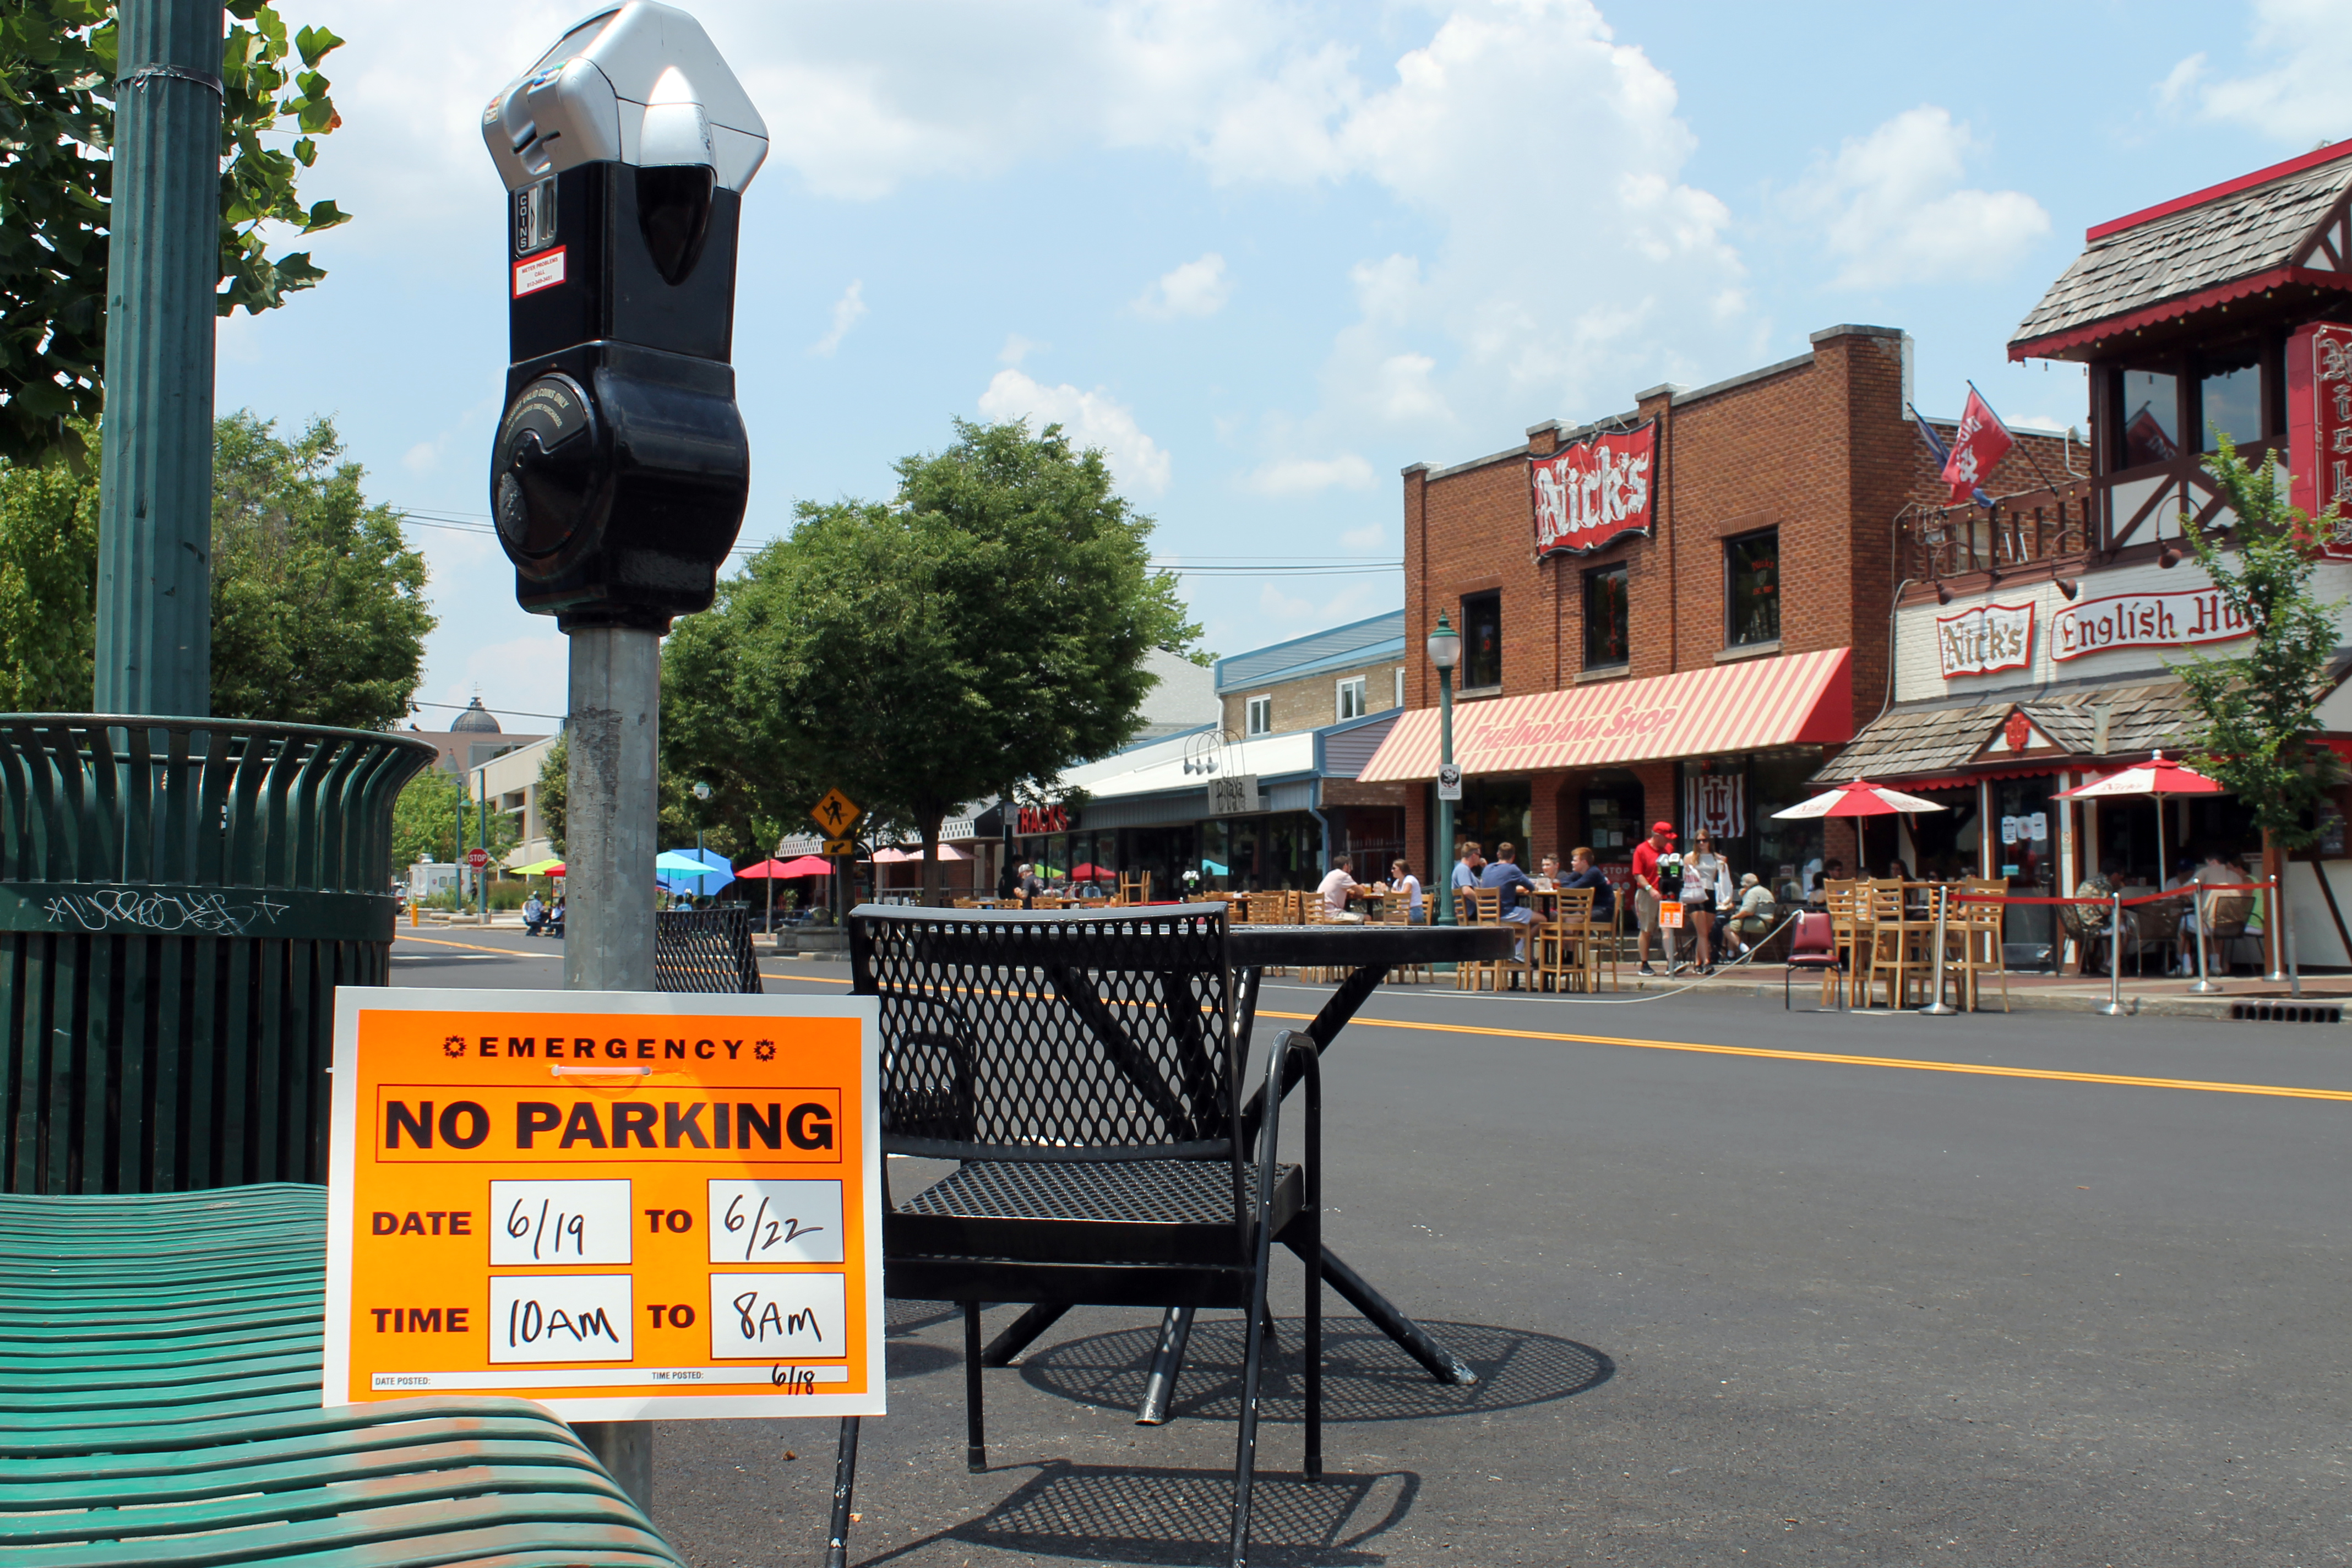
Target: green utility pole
482, 838
155, 502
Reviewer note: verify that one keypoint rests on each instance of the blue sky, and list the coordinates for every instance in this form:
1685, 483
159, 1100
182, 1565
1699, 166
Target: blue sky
1265, 255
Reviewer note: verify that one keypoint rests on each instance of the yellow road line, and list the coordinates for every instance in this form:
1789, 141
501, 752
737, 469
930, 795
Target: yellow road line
2049, 1075
475, 946
2283, 1091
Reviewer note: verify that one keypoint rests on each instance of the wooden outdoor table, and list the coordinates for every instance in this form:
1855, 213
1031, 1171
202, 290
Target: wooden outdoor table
1367, 953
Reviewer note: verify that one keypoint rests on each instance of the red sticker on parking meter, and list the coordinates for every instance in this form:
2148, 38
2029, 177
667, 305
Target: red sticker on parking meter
533, 273
619, 1204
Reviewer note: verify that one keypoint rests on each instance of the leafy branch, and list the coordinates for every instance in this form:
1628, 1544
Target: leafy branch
57, 70
2260, 706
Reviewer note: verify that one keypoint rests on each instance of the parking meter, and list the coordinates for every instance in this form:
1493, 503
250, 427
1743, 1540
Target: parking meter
621, 467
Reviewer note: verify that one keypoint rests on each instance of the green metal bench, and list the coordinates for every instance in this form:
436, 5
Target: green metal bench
160, 1365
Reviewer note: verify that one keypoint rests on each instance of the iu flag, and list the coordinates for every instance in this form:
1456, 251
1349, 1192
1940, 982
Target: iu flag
1980, 443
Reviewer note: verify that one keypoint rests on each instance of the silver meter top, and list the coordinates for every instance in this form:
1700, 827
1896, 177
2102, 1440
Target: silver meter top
639, 84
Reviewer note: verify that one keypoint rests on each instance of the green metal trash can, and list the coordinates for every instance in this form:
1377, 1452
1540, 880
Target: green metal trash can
179, 898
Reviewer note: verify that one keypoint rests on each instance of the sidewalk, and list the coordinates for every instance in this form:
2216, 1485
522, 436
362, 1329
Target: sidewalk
2039, 992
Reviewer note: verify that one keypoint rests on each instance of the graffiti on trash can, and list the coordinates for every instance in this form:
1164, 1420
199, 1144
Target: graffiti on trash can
195, 914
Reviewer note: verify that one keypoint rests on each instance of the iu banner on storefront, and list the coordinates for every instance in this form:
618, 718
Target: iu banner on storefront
1716, 805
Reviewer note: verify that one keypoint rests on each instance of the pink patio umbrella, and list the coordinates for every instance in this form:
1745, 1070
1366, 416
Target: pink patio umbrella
771, 869
1861, 798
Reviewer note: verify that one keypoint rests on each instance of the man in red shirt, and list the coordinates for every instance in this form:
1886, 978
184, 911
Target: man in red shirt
1647, 892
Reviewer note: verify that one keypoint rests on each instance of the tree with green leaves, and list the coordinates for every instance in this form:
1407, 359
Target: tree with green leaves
723, 824
432, 808
319, 608
2260, 706
980, 633
56, 127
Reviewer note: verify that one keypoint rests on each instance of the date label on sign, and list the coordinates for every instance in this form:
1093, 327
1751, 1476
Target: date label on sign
559, 1222
775, 1221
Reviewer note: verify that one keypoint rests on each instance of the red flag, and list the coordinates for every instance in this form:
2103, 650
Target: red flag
1978, 445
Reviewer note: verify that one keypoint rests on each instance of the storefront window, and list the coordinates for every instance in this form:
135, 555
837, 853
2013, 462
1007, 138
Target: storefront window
2150, 422
2230, 399
1613, 818
1948, 843
1604, 617
1786, 852
2025, 846
1493, 810
1752, 574
1481, 641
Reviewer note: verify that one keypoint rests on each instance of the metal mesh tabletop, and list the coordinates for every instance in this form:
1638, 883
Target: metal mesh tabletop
1355, 946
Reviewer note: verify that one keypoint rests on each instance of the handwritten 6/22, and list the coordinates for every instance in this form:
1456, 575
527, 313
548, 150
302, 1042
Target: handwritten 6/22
763, 1227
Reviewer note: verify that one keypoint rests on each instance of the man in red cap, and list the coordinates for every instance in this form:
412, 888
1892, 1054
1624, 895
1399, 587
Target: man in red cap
1647, 892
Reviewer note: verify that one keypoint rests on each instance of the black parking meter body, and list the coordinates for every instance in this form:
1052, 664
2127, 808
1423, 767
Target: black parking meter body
621, 466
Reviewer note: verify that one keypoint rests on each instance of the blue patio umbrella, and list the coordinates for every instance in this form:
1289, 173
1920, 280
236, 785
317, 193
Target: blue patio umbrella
695, 871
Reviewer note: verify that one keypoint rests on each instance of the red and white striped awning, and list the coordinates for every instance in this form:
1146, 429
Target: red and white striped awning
1797, 699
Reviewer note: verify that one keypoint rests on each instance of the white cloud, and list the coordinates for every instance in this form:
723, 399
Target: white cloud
1890, 209
1306, 475
1195, 288
1091, 419
522, 675
2301, 98
847, 312
422, 459
1349, 603
1367, 539
1018, 348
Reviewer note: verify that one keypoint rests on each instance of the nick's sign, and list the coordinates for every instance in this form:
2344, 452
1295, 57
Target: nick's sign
2143, 620
1588, 495
1983, 638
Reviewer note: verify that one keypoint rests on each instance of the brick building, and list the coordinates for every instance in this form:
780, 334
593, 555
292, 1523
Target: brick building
1699, 667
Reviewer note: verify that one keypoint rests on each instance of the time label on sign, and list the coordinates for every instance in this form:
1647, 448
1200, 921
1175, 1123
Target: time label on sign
619, 1204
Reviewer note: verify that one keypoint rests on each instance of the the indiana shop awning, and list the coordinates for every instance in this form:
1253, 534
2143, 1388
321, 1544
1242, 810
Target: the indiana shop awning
1794, 699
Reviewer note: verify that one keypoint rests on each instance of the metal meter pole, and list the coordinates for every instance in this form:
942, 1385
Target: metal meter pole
155, 466
612, 731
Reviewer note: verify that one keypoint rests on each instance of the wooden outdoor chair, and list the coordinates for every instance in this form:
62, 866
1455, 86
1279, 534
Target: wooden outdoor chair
1849, 913
1898, 944
1973, 940
2225, 918
1087, 1070
1567, 948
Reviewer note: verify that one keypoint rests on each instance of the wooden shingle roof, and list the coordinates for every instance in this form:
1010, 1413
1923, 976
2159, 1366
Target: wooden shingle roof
2242, 237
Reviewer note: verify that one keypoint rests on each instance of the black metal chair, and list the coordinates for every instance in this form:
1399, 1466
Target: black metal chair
704, 950
1085, 1068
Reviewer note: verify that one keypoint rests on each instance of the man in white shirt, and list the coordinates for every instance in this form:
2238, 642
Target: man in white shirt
1335, 886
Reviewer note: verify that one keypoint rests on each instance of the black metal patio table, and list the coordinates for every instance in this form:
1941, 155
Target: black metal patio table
1367, 953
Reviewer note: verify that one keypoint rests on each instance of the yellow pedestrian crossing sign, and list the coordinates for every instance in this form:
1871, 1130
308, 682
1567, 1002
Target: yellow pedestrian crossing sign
841, 846
835, 813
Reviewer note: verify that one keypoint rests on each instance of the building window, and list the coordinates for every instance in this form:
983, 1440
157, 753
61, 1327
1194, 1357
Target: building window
1605, 625
2230, 399
1751, 570
1481, 641
1352, 699
1260, 720
2149, 416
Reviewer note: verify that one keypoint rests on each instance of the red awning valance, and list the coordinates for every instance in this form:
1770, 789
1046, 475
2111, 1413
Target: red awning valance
1797, 699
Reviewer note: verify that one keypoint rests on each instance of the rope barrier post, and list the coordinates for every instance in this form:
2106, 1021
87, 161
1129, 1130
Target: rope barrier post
2114, 1005
2204, 986
2275, 932
1937, 1008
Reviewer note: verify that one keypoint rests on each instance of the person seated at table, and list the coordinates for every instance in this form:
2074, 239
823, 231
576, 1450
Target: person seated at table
1897, 871
1337, 884
1027, 883
1502, 872
1548, 874
2087, 923
1583, 873
1831, 872
1402, 880
1788, 890
555, 919
1752, 921
534, 915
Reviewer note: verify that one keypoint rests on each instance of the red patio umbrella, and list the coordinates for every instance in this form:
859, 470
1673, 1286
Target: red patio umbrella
1858, 799
1092, 873
805, 866
2155, 776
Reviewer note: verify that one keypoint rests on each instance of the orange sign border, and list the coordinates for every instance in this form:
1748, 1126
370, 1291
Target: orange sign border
532, 1013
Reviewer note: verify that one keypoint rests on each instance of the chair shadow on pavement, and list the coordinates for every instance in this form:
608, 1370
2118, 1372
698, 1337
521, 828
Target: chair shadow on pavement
1132, 1514
1365, 1377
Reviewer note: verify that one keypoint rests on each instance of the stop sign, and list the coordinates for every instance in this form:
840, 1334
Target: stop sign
477, 859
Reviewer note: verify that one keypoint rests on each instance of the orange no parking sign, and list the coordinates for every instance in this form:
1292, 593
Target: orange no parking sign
620, 1204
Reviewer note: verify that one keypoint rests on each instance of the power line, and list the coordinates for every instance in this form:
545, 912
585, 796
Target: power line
1202, 566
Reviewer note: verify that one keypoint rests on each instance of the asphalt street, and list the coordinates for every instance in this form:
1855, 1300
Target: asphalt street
1791, 1288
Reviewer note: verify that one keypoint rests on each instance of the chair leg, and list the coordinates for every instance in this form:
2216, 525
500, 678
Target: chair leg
1007, 1347
975, 1446
1245, 1447
1167, 1362
844, 1480
1314, 1461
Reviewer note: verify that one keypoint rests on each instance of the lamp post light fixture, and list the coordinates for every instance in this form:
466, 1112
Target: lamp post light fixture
1445, 652
701, 793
